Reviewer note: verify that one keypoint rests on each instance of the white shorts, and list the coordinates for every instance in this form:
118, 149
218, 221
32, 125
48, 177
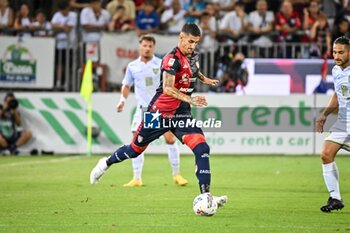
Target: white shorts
338, 134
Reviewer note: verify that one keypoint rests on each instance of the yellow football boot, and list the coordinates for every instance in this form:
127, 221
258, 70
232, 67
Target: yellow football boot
134, 183
179, 180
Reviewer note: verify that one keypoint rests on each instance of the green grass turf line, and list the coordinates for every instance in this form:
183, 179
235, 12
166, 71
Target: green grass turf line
266, 194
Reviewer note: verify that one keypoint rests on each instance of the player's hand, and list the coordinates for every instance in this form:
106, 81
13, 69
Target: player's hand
198, 101
319, 123
120, 106
211, 82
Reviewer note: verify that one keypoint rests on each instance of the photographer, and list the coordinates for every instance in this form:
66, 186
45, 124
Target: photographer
233, 73
11, 134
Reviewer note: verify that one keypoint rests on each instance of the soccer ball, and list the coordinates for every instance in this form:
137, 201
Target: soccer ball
205, 205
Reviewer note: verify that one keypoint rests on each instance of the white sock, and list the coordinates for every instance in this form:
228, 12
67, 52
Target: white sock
174, 158
331, 178
137, 165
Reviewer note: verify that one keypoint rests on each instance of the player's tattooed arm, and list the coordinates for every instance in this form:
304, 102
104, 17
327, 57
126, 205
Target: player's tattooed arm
170, 90
208, 81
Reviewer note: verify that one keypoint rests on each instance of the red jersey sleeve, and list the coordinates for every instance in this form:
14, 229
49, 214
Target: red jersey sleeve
171, 64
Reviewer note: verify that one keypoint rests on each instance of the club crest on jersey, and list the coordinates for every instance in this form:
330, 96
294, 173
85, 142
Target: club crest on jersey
155, 70
184, 79
171, 61
139, 139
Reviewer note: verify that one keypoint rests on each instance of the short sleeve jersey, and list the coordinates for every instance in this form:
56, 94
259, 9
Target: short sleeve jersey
185, 69
342, 87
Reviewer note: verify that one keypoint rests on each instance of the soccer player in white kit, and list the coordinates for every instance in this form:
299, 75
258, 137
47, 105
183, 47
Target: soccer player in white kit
340, 131
144, 74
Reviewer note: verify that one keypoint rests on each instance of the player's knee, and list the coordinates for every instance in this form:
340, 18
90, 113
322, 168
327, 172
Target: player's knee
326, 156
3, 142
27, 135
169, 138
136, 150
170, 141
192, 140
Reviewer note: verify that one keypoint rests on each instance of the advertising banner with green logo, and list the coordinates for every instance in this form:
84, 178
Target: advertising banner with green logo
27, 62
232, 124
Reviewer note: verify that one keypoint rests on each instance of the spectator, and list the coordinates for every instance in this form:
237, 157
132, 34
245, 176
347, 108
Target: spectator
341, 28
130, 9
260, 25
173, 18
224, 6
6, 16
64, 23
79, 4
249, 5
147, 20
209, 29
23, 20
287, 23
300, 5
120, 22
184, 3
12, 134
41, 26
195, 10
93, 20
233, 24
317, 31
344, 12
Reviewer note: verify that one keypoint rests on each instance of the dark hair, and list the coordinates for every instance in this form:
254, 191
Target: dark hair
40, 11
63, 4
342, 40
191, 28
239, 3
149, 3
147, 38
9, 94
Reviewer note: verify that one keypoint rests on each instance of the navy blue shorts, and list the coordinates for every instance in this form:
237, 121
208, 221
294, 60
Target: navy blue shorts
145, 136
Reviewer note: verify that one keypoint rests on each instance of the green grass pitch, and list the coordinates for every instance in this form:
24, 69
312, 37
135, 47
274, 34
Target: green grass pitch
266, 194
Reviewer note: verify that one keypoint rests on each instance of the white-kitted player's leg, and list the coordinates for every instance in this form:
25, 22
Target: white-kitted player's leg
174, 158
137, 163
331, 146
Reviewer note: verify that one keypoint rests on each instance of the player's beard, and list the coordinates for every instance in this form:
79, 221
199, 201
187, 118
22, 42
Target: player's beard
345, 62
147, 57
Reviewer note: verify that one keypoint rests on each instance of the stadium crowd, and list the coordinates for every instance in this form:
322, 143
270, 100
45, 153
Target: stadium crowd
260, 22
306, 28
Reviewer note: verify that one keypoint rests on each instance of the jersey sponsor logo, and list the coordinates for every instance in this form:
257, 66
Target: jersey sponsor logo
171, 61
187, 90
205, 155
